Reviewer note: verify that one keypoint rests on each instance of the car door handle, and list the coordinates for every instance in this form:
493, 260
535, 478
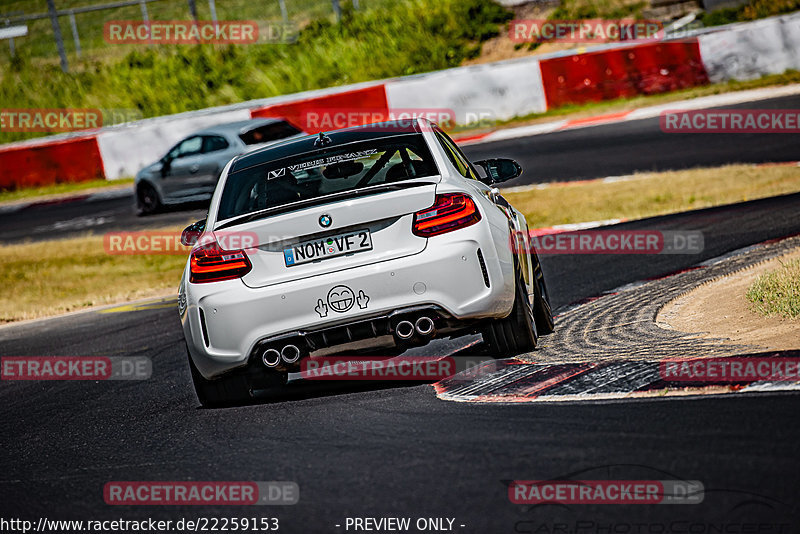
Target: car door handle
194, 168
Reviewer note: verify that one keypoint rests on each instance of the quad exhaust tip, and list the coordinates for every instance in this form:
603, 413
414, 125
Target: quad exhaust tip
424, 326
290, 353
271, 358
404, 329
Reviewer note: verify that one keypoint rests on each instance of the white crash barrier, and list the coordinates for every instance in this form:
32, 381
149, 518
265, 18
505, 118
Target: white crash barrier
502, 90
127, 149
494, 91
749, 51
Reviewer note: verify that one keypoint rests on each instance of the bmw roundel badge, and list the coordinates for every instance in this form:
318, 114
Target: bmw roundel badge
325, 220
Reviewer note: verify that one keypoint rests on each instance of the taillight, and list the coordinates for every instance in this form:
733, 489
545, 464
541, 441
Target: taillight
449, 212
210, 263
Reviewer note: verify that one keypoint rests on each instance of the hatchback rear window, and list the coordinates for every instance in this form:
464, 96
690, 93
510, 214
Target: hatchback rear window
326, 172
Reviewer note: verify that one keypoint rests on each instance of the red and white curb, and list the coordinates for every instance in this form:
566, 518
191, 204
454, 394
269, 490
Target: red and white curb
516, 381
513, 381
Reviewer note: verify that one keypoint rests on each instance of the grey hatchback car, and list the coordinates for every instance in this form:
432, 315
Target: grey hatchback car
189, 171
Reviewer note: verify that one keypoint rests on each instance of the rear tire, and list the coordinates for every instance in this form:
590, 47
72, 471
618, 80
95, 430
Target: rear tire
227, 390
542, 312
515, 334
147, 200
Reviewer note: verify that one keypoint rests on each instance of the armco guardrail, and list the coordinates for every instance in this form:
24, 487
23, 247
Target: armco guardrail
504, 89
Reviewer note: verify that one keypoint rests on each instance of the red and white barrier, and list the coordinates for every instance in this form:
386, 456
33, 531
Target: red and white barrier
622, 72
47, 161
496, 91
749, 51
370, 100
127, 149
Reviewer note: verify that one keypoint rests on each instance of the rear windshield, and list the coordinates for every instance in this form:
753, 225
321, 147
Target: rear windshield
325, 172
269, 132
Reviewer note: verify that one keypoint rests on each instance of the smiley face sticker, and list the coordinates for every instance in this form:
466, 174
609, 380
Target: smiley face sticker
341, 298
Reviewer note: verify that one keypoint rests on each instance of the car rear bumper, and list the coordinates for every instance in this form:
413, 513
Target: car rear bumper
224, 321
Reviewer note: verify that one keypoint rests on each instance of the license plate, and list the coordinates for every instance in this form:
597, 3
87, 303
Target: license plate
328, 247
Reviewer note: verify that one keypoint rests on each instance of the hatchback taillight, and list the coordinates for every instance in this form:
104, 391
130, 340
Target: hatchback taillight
210, 263
449, 212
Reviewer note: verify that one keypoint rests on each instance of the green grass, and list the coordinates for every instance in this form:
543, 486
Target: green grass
384, 38
413, 36
615, 9
778, 292
60, 189
599, 9
753, 10
39, 41
53, 277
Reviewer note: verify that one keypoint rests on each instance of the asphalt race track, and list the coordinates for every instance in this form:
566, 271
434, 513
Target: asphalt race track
396, 450
388, 450
595, 152
623, 148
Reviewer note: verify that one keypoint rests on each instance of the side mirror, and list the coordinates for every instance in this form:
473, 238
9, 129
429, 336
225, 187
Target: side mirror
499, 170
192, 232
166, 163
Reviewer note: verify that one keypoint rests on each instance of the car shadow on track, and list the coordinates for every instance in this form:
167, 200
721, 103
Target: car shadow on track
301, 389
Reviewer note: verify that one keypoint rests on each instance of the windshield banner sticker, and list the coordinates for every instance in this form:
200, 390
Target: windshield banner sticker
337, 158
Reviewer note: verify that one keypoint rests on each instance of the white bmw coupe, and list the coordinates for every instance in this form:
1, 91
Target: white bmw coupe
379, 237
